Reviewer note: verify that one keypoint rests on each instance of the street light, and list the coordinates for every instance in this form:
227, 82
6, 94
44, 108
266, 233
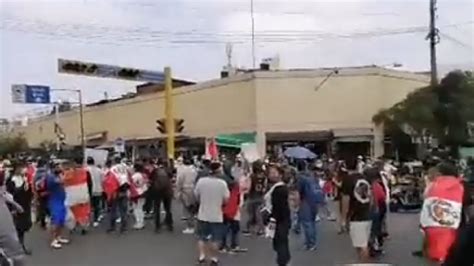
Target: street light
81, 118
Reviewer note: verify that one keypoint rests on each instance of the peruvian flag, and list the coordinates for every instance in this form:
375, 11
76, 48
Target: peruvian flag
441, 215
77, 194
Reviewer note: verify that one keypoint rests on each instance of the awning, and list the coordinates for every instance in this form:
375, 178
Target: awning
235, 140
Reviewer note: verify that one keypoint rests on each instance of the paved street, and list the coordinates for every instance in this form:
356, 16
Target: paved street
146, 248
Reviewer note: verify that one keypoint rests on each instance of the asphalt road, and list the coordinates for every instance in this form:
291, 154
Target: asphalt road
143, 248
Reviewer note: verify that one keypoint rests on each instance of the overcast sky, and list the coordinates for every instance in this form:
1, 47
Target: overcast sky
190, 36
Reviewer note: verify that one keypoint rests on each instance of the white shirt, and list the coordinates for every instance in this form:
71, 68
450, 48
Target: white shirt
211, 193
185, 177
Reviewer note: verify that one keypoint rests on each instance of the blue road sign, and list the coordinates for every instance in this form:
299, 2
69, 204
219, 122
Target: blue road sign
33, 94
38, 94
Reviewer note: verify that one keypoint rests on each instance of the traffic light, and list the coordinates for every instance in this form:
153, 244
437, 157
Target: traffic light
178, 125
81, 68
161, 125
128, 73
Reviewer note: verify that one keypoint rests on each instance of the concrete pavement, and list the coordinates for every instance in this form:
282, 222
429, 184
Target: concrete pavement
145, 248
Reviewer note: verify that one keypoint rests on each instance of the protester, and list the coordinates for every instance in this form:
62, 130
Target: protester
162, 190
442, 212
96, 177
311, 195
78, 191
185, 180
231, 212
359, 215
340, 178
57, 206
9, 242
461, 252
17, 185
276, 202
148, 166
238, 169
41, 193
379, 210
320, 175
116, 185
139, 186
255, 199
212, 193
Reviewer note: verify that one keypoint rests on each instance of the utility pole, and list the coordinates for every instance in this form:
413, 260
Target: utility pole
252, 17
169, 116
434, 39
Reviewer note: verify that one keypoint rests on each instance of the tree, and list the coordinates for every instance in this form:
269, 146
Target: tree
10, 145
443, 112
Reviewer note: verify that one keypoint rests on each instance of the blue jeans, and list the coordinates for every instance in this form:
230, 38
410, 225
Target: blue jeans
119, 207
310, 233
231, 227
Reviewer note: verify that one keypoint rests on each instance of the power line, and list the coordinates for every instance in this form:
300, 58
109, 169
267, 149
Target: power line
145, 36
451, 38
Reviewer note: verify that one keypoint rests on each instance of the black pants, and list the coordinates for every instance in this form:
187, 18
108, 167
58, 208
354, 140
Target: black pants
42, 211
166, 198
149, 201
281, 243
96, 204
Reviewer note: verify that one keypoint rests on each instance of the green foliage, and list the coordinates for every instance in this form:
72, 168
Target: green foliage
443, 111
10, 145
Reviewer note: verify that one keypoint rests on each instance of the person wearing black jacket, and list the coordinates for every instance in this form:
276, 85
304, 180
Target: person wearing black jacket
460, 253
279, 215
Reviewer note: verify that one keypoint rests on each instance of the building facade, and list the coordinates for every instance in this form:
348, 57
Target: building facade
278, 106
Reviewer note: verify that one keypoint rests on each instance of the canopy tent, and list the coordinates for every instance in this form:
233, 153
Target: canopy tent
235, 140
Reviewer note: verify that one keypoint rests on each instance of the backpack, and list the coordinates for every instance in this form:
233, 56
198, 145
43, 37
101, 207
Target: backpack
161, 179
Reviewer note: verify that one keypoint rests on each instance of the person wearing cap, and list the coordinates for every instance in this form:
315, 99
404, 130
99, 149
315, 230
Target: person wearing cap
211, 193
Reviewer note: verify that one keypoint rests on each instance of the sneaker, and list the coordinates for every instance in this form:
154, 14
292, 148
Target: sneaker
239, 250
214, 263
332, 218
317, 218
138, 226
62, 240
188, 231
118, 220
95, 224
223, 250
313, 248
201, 262
55, 244
246, 233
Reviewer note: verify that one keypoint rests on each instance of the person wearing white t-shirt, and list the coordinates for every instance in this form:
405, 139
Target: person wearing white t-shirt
212, 193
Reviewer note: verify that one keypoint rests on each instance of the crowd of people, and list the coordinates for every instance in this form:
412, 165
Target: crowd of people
277, 197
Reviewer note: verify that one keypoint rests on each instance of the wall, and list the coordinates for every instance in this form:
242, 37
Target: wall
222, 106
344, 101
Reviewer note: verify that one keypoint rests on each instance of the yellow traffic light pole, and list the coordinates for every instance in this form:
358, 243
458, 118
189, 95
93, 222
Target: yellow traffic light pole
169, 113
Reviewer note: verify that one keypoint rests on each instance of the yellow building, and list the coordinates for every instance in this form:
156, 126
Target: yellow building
279, 106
